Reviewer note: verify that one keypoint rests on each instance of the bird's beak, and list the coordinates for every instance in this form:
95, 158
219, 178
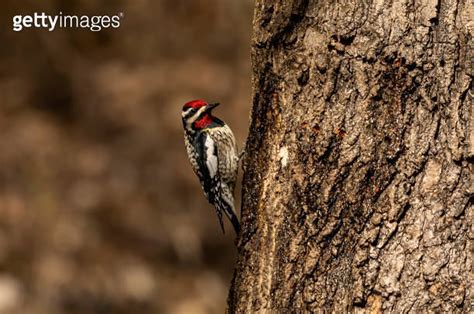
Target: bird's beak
211, 106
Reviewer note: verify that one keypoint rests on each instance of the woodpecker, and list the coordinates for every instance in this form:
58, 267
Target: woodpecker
212, 151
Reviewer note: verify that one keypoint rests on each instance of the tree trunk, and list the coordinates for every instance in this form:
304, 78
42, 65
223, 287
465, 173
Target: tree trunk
357, 192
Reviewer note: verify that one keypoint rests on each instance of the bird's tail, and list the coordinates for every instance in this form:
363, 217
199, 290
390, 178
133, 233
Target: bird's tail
219, 218
230, 213
226, 206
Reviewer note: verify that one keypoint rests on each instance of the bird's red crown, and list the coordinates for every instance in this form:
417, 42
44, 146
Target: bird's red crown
198, 103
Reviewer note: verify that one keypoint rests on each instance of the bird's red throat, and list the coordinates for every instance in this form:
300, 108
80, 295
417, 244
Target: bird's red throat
204, 122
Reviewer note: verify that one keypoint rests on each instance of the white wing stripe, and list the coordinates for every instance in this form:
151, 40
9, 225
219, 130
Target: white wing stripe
211, 159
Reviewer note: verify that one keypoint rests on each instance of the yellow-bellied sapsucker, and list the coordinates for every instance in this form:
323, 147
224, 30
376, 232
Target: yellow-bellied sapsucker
212, 151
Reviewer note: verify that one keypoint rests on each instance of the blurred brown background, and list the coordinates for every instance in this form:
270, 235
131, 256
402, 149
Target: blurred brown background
99, 209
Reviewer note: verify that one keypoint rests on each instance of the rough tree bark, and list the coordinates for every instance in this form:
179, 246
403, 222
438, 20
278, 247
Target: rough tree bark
357, 192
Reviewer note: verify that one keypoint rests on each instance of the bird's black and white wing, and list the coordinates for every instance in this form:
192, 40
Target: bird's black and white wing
210, 179
208, 170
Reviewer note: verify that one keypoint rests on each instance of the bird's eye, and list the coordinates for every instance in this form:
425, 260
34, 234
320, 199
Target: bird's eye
189, 112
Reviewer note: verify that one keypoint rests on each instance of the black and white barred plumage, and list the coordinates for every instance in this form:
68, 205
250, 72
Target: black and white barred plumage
213, 154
